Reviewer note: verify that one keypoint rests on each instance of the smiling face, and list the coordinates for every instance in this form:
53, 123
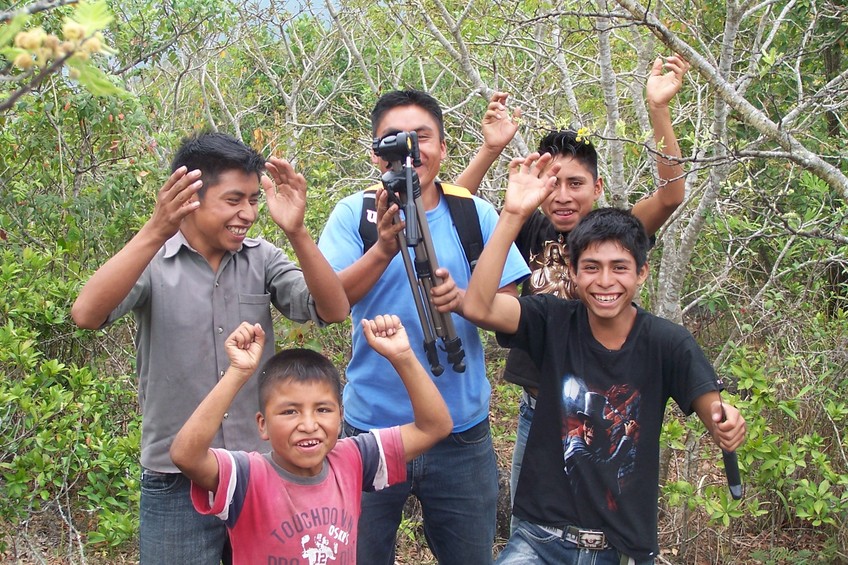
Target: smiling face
574, 196
302, 420
432, 146
607, 279
227, 210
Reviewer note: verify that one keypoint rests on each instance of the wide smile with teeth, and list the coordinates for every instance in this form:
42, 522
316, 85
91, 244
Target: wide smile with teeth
606, 298
308, 443
239, 231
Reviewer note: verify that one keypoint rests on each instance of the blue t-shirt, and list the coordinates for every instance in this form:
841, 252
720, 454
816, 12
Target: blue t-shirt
374, 396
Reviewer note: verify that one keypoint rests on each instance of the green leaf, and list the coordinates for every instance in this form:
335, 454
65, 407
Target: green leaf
94, 16
95, 80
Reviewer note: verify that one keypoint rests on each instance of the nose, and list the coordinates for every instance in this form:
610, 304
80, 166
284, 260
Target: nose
248, 212
561, 193
605, 277
308, 422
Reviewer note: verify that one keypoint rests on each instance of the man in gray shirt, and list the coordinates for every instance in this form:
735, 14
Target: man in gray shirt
191, 276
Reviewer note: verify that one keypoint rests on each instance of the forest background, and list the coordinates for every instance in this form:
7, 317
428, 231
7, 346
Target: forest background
94, 97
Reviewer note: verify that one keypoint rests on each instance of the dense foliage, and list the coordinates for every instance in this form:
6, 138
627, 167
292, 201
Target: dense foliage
755, 262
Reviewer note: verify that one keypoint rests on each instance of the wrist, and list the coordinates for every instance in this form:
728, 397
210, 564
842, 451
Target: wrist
296, 235
403, 359
658, 107
492, 149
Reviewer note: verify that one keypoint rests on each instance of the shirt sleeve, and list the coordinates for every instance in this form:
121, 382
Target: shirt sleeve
383, 458
227, 501
692, 374
340, 241
289, 293
138, 297
532, 327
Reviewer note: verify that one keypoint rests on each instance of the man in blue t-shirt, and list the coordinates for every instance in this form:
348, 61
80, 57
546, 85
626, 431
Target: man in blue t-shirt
456, 481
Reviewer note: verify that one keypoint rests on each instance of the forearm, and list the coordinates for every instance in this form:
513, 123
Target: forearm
477, 168
359, 278
323, 283
432, 420
670, 171
113, 281
190, 449
483, 304
654, 210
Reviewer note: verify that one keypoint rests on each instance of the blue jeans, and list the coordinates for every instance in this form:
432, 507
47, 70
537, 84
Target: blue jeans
525, 418
457, 484
530, 544
171, 530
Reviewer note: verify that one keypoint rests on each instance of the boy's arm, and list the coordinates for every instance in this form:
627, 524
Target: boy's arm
286, 198
656, 208
498, 130
190, 449
529, 185
724, 422
360, 277
113, 281
432, 419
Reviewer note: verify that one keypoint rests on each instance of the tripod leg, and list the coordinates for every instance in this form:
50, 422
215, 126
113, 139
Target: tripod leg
426, 323
425, 266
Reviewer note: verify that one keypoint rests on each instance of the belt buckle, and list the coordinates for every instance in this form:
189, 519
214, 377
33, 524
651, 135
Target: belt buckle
586, 539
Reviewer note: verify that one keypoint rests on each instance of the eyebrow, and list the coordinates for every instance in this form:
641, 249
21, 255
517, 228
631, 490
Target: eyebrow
240, 193
395, 131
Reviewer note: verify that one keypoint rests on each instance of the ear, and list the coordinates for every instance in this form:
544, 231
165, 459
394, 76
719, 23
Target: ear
444, 147
643, 273
599, 188
341, 419
260, 424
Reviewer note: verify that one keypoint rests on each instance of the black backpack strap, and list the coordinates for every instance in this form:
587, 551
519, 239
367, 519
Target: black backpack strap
368, 219
463, 211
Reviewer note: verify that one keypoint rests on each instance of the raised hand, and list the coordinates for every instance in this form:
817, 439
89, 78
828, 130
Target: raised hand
531, 180
176, 200
665, 79
244, 347
286, 195
499, 127
387, 336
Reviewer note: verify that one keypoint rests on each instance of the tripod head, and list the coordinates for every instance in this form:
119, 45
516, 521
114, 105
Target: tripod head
396, 147
401, 150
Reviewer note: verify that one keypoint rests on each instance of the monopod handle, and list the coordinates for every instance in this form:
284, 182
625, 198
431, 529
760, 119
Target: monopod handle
731, 470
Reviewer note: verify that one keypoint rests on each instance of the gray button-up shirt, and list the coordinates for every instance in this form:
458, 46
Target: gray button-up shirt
184, 314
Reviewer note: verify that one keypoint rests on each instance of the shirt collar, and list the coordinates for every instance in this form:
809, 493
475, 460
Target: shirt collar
178, 240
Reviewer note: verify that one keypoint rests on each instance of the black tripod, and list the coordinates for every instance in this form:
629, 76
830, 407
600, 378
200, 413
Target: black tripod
401, 182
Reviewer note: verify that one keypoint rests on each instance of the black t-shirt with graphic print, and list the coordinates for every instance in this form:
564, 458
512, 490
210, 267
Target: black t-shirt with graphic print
608, 482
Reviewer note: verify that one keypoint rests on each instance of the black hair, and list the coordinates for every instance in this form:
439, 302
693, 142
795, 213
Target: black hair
399, 98
214, 153
300, 366
609, 224
564, 142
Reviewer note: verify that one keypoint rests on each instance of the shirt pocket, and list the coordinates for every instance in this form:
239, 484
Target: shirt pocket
254, 308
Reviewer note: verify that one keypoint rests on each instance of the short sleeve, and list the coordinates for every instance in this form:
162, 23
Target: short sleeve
340, 241
383, 458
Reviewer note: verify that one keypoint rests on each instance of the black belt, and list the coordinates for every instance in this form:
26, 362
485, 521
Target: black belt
581, 537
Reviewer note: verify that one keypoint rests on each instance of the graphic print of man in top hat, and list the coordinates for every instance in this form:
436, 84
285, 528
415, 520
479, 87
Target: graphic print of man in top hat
589, 457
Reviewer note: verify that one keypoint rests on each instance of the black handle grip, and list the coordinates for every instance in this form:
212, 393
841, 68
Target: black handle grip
731, 469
